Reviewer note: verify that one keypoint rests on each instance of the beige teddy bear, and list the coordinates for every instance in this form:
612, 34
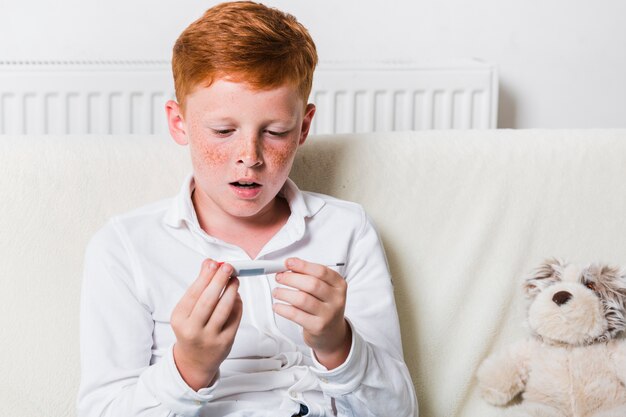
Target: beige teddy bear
574, 365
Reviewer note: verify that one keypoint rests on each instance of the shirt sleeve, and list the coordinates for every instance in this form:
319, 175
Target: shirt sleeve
117, 377
374, 379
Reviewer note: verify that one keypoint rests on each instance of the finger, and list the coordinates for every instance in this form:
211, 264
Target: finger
210, 296
188, 301
226, 336
225, 306
301, 300
316, 270
295, 315
307, 283
229, 329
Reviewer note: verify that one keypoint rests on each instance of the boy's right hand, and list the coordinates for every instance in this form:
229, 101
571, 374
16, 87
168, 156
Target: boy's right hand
205, 322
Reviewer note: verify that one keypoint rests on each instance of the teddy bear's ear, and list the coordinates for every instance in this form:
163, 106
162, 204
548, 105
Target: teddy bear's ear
610, 284
545, 275
609, 280
621, 285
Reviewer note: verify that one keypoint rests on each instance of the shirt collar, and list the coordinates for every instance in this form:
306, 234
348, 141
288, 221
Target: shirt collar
302, 205
181, 209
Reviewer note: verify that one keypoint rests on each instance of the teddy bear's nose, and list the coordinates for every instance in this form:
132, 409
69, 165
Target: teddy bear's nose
561, 297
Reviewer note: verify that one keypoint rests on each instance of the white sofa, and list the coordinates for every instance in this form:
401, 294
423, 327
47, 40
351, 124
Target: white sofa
464, 216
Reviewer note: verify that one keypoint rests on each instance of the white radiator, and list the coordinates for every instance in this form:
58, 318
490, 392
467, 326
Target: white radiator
129, 97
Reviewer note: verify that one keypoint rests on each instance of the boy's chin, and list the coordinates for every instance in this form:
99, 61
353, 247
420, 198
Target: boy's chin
252, 209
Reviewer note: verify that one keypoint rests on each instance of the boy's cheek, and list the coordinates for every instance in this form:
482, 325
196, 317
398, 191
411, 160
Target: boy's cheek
274, 156
214, 155
278, 158
203, 153
281, 156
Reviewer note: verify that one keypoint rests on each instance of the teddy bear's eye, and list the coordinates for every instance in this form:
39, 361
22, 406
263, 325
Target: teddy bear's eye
591, 286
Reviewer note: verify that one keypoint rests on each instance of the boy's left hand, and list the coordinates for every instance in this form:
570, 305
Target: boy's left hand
317, 303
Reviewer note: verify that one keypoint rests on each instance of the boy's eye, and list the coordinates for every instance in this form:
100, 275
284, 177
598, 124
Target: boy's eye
222, 132
275, 133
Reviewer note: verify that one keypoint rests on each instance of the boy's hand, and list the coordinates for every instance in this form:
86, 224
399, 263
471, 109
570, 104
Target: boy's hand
205, 322
317, 304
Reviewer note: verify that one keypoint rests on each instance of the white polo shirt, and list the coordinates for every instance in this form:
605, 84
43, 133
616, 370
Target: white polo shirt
139, 265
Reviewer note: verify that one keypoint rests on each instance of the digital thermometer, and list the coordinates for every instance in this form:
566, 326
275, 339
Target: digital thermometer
260, 267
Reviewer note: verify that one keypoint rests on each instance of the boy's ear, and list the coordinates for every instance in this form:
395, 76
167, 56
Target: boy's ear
309, 112
176, 123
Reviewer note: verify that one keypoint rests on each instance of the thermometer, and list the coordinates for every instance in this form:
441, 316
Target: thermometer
261, 267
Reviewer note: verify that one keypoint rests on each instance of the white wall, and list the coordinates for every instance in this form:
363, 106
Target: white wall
562, 62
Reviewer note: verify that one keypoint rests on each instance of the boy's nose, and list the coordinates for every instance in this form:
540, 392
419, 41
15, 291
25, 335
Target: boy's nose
250, 153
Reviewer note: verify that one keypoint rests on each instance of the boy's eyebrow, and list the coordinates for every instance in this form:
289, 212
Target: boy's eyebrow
208, 120
289, 122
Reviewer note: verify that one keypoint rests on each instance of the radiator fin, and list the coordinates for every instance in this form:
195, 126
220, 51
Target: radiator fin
120, 98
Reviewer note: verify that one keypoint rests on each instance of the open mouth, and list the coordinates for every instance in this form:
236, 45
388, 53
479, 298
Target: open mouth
245, 184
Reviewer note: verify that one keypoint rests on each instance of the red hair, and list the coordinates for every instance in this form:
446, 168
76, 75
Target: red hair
246, 42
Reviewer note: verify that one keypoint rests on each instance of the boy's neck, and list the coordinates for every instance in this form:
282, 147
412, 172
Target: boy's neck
250, 234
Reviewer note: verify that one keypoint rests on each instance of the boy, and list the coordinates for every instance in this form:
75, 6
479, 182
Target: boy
159, 338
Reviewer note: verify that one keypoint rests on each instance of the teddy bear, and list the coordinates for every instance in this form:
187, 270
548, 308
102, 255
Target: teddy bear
574, 362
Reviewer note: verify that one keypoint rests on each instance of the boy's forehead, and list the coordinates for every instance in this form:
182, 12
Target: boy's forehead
244, 83
226, 90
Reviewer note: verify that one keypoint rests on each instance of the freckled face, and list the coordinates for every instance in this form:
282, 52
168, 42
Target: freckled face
243, 143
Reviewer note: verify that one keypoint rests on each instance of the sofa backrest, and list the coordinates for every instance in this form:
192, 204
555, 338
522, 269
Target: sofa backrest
464, 216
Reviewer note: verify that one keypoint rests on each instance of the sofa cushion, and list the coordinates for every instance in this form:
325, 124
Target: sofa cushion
464, 215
